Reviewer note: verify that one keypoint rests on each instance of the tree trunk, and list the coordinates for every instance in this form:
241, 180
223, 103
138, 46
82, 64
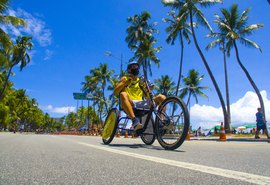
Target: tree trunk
88, 116
188, 101
145, 70
104, 99
227, 126
5, 84
250, 79
181, 64
227, 88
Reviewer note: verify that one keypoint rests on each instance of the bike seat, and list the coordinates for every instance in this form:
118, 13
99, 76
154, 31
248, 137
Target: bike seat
139, 112
141, 108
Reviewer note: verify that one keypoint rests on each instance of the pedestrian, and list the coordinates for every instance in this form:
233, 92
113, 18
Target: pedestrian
215, 130
261, 124
198, 131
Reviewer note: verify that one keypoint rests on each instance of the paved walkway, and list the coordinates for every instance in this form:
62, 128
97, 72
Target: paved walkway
230, 138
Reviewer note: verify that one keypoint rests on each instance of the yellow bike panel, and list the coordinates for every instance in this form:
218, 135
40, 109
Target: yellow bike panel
109, 125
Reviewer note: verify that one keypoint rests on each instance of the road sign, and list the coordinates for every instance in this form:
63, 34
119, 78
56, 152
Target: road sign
82, 96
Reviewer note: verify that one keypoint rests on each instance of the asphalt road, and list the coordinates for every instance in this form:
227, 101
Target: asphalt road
57, 159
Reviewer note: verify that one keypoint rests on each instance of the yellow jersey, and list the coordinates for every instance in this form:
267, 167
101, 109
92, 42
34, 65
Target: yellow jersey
134, 90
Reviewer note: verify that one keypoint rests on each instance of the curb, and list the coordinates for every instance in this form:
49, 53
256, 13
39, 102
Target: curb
233, 139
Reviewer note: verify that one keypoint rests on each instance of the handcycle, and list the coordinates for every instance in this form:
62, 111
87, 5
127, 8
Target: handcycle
168, 123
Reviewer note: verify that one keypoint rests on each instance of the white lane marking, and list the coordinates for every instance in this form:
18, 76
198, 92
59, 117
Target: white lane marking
251, 178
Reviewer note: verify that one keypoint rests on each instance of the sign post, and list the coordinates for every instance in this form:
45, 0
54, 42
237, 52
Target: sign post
84, 96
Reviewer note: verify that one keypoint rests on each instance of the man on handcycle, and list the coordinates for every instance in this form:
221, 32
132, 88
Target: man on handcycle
131, 93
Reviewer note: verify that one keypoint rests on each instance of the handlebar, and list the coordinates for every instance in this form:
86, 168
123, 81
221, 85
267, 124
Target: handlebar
145, 84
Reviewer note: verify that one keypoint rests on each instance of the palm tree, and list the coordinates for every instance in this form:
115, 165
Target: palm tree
140, 38
71, 120
192, 86
220, 41
90, 83
19, 55
145, 53
177, 29
89, 87
82, 116
113, 99
17, 108
188, 10
4, 113
103, 75
165, 85
96, 83
235, 27
139, 28
5, 41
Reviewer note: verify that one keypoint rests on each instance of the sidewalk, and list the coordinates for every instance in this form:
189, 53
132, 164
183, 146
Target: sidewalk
231, 138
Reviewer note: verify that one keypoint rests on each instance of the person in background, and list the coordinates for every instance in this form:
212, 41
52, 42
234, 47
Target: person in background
215, 130
261, 124
198, 131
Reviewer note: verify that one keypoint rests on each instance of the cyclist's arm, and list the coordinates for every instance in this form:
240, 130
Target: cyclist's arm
120, 85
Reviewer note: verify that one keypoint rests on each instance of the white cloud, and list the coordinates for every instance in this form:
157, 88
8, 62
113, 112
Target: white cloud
59, 110
35, 27
48, 54
169, 1
242, 111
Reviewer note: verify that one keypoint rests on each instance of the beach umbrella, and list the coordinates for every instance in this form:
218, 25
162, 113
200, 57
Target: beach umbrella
216, 126
250, 125
241, 128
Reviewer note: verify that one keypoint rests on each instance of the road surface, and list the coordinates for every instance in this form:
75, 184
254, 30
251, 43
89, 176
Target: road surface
59, 159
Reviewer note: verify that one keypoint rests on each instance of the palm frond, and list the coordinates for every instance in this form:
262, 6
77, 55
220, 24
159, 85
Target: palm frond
5, 41
209, 3
4, 5
250, 43
229, 46
175, 4
222, 26
214, 43
15, 21
249, 29
201, 19
242, 20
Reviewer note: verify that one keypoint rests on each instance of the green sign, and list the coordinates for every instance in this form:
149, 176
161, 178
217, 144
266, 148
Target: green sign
82, 96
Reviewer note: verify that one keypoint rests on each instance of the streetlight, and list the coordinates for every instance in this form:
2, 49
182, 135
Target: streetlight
109, 54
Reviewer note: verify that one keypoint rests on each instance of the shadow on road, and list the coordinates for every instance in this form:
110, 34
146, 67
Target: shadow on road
138, 146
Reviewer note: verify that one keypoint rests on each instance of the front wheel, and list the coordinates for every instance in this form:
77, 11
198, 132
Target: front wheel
172, 123
110, 126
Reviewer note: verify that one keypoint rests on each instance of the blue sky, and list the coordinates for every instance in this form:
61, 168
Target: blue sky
70, 39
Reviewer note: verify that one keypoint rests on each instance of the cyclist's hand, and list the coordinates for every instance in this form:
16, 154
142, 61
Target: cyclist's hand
127, 81
151, 87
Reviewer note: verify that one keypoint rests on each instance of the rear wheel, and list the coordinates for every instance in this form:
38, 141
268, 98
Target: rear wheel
110, 126
148, 136
172, 123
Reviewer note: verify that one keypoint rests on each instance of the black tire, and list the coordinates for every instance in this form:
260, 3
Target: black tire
149, 137
110, 126
173, 126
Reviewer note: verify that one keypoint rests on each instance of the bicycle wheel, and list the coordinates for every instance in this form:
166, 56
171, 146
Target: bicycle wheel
110, 126
148, 136
172, 123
